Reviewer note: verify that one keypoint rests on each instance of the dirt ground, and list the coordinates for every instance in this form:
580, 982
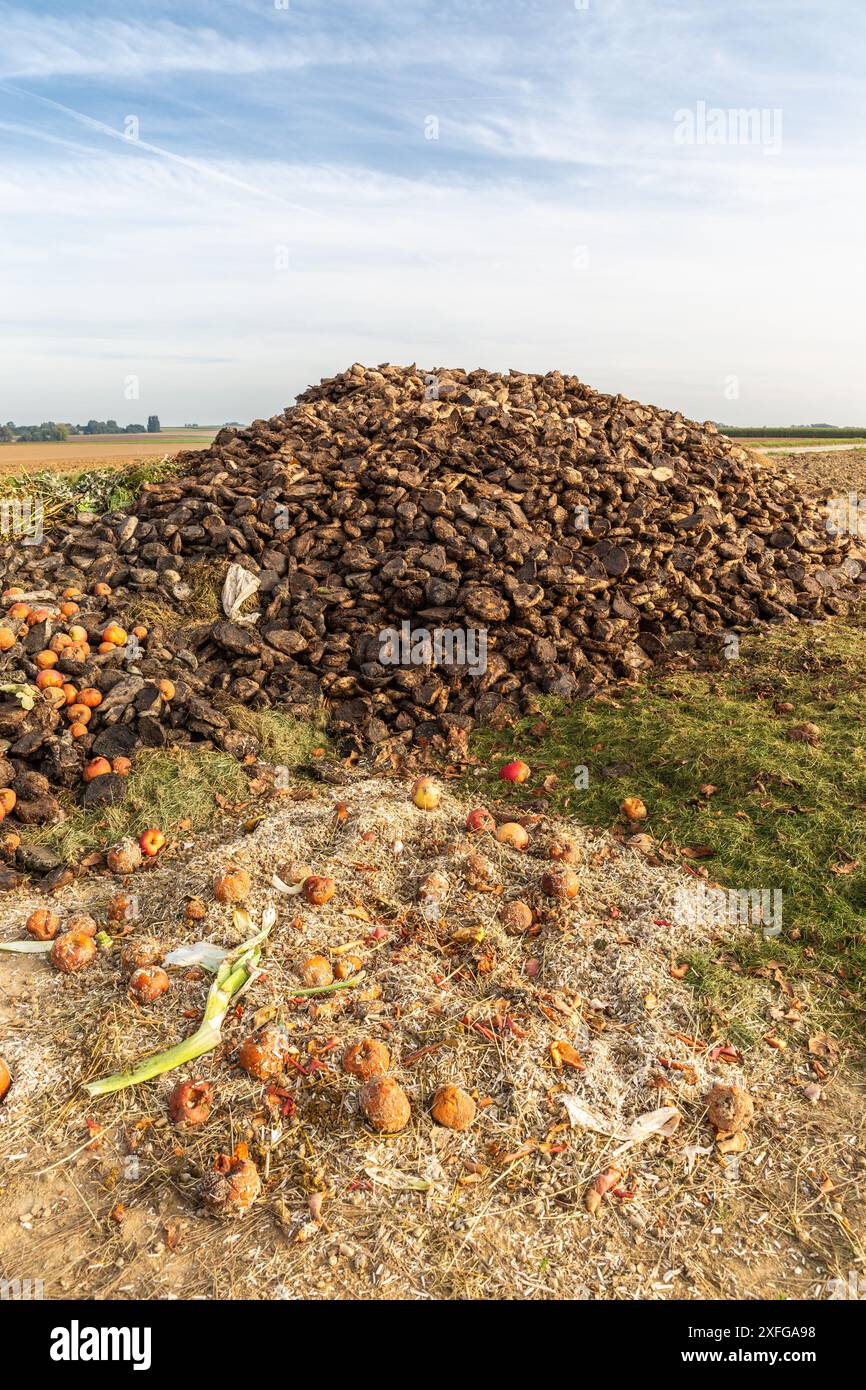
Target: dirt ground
101, 1198
81, 455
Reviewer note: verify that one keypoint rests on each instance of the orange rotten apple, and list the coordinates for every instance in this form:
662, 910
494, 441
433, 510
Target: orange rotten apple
97, 767
512, 833
232, 886
5, 1078
318, 890
42, 924
49, 678
190, 1104
232, 1185
633, 808
115, 635
148, 983
7, 800
264, 1055
384, 1104
366, 1058
73, 951
316, 972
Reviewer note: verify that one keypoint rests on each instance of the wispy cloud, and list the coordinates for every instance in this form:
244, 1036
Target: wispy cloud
452, 180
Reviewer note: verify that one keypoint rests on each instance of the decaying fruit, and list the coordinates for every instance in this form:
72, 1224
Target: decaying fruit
318, 890
433, 887
145, 950
729, 1108
73, 951
232, 886
121, 908
265, 1053
479, 871
366, 1058
190, 1104
560, 884
82, 922
453, 1108
293, 872
480, 820
232, 1185
515, 771
516, 916
124, 857
316, 972
633, 808
148, 983
563, 851
384, 1104
347, 966
5, 1078
42, 924
426, 793
97, 767
512, 833
195, 909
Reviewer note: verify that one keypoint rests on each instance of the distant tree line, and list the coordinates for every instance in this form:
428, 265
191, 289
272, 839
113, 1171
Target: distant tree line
28, 434
49, 429
791, 432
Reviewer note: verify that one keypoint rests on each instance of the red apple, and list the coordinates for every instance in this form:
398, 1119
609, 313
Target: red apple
515, 771
480, 819
151, 841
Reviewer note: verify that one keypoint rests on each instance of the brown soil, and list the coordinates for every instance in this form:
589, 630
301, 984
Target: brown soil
838, 473
79, 456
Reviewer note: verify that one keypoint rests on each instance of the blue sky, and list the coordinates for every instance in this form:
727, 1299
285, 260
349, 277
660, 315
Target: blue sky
213, 205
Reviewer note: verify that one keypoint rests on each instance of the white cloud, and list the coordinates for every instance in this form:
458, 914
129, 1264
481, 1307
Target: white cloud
180, 287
